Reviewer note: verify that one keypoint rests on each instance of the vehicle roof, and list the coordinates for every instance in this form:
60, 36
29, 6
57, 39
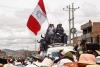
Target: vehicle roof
58, 48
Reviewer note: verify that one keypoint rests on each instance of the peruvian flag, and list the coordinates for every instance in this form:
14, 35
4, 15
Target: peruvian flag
37, 18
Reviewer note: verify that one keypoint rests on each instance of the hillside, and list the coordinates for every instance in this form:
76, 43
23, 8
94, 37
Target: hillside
13, 51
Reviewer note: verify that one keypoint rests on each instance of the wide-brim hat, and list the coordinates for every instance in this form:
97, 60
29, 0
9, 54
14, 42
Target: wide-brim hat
37, 64
31, 65
57, 34
67, 50
87, 59
93, 65
38, 57
69, 54
98, 52
46, 63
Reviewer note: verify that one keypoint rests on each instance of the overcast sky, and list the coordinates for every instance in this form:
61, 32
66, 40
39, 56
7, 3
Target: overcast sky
14, 14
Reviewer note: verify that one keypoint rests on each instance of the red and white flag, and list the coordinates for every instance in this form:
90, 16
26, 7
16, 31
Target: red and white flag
37, 18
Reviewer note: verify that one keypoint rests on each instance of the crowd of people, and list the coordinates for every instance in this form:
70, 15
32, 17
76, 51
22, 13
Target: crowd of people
71, 57
66, 58
53, 35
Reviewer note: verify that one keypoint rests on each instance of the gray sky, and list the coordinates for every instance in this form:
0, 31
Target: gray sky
14, 14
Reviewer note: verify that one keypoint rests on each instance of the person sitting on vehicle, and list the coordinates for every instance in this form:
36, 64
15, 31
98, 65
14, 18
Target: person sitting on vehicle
51, 30
59, 29
57, 38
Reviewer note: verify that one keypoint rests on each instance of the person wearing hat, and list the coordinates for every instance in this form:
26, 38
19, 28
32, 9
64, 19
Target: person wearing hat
82, 49
38, 58
59, 29
47, 62
87, 59
68, 57
51, 30
72, 51
97, 55
9, 64
57, 38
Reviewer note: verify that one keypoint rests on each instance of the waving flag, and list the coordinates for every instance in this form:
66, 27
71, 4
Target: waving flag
37, 18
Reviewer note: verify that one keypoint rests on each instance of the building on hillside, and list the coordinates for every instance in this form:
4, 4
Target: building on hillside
91, 32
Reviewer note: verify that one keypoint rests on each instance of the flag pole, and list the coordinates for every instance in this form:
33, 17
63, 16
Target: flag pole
47, 21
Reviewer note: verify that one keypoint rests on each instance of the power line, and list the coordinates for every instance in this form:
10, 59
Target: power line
75, 1
83, 3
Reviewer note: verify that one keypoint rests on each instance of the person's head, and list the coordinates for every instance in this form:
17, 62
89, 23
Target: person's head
83, 44
90, 51
57, 34
38, 58
9, 60
69, 55
41, 58
60, 25
50, 25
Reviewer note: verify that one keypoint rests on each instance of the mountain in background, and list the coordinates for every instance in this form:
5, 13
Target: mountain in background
14, 51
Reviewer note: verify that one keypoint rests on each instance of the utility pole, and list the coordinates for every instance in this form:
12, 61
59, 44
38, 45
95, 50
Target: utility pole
69, 24
73, 9
71, 19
